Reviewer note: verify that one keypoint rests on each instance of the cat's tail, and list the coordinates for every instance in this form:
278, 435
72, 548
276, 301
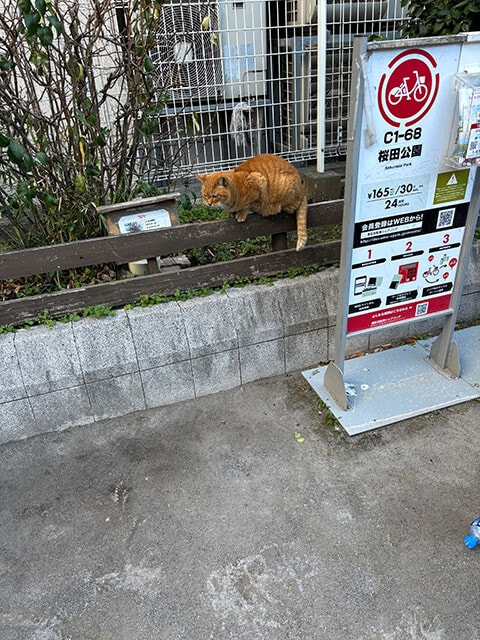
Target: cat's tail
302, 236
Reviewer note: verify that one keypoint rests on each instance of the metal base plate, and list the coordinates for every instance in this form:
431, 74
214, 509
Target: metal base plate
397, 384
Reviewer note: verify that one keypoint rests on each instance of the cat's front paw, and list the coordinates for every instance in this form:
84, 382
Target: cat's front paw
241, 216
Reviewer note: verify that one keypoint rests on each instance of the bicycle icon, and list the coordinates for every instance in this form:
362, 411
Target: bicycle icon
418, 92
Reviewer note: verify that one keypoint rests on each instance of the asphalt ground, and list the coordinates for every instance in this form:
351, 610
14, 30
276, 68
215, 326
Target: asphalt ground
244, 515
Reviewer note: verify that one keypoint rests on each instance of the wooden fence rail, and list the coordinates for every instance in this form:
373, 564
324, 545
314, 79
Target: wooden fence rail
162, 242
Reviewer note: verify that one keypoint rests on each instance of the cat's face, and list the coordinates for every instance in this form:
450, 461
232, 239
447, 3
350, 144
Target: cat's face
215, 189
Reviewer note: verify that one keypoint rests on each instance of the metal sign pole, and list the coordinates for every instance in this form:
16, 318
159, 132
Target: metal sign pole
444, 351
334, 375
321, 74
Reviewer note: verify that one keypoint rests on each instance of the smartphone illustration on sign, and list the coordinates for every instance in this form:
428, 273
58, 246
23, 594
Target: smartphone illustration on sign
360, 284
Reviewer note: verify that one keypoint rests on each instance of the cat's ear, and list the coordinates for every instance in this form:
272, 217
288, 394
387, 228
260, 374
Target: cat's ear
202, 177
222, 182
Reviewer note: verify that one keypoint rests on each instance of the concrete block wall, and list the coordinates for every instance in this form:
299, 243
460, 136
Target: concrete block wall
86, 371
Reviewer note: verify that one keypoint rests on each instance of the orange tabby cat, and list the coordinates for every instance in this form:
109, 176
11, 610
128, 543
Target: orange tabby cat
265, 184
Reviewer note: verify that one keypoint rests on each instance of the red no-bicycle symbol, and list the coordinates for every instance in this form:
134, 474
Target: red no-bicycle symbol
409, 88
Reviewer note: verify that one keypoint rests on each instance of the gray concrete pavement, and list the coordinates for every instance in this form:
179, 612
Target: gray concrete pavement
208, 520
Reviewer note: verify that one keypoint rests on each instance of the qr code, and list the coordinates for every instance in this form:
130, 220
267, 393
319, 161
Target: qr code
421, 309
445, 218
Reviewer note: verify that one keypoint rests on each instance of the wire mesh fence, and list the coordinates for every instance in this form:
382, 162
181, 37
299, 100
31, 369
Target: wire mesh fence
345, 20
242, 78
237, 78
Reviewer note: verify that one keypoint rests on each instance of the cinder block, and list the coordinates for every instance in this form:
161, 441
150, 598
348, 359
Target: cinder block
159, 335
12, 386
356, 343
430, 324
117, 396
105, 347
469, 308
209, 325
62, 409
327, 185
302, 303
262, 360
48, 358
306, 350
390, 335
168, 384
330, 279
257, 314
16, 420
472, 273
216, 372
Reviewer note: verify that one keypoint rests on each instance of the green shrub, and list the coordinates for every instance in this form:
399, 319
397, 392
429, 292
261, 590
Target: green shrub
441, 17
79, 106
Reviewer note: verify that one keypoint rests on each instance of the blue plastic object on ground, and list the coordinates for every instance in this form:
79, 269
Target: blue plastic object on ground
473, 538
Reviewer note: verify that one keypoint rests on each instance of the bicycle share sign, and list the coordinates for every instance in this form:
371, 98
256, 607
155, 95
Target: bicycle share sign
407, 91
410, 207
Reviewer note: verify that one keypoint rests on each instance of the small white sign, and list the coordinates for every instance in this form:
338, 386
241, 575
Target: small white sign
144, 221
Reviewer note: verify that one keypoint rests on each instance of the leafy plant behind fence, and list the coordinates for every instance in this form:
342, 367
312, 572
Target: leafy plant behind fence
440, 17
78, 100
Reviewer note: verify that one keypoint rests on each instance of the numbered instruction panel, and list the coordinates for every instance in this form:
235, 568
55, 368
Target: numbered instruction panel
410, 206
